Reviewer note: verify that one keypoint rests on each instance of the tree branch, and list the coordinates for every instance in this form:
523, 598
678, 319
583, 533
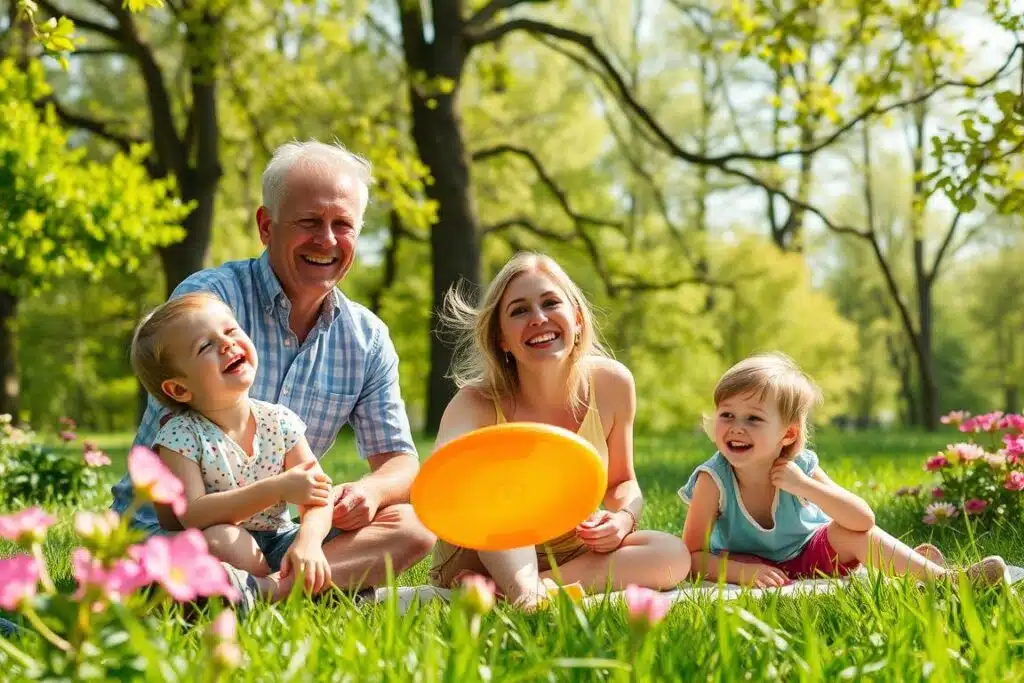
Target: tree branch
104, 129
587, 42
545, 177
112, 32
491, 10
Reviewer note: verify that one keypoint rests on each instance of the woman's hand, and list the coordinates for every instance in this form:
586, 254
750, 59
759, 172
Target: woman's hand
604, 531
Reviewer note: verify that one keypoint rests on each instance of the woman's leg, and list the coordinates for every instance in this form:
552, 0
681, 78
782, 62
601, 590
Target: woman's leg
652, 559
516, 574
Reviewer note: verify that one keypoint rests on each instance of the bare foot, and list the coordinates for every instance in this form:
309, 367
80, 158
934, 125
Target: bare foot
932, 553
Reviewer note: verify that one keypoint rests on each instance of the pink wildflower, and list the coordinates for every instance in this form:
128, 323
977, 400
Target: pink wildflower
95, 458
937, 492
478, 592
964, 452
1014, 481
67, 422
26, 527
955, 417
67, 436
1012, 422
646, 607
88, 572
183, 566
936, 462
19, 577
1014, 445
224, 627
982, 423
939, 512
153, 481
125, 578
975, 506
96, 526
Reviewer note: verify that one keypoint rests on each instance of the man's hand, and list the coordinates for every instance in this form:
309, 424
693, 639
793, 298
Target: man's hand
604, 531
305, 484
309, 559
789, 477
355, 506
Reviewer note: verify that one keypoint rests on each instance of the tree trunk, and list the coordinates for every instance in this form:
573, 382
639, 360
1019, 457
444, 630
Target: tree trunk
9, 386
924, 353
437, 132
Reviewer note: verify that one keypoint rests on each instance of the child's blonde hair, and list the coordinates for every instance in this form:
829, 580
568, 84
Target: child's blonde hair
479, 361
150, 357
774, 377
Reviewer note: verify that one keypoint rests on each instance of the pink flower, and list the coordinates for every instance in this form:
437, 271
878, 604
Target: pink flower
964, 452
937, 492
982, 423
478, 593
995, 460
89, 446
1014, 445
153, 481
939, 512
183, 566
646, 607
67, 436
936, 462
125, 578
1013, 423
975, 506
95, 458
88, 572
955, 417
224, 627
96, 526
67, 422
26, 527
1014, 481
19, 577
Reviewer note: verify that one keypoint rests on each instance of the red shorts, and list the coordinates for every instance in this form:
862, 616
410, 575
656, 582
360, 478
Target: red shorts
817, 557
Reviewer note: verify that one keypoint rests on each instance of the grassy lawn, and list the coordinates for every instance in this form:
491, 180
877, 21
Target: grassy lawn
873, 630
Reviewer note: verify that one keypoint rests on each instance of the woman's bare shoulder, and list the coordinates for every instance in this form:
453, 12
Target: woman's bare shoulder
611, 375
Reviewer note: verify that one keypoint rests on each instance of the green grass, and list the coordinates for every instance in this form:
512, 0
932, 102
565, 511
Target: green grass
872, 630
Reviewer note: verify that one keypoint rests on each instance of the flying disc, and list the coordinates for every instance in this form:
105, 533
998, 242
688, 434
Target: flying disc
509, 485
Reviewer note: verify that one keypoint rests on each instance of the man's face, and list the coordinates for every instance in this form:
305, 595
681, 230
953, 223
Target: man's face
312, 242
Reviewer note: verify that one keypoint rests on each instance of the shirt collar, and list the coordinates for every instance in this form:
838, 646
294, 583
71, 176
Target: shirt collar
272, 294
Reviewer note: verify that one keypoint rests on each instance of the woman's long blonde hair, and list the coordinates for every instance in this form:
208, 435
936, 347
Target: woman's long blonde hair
479, 361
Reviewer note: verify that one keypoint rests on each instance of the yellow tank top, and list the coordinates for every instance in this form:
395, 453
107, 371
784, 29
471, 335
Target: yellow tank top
590, 429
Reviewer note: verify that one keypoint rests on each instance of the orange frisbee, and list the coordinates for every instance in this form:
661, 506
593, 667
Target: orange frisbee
509, 485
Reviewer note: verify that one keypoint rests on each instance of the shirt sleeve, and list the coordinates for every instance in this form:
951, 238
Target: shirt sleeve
378, 418
291, 425
178, 436
806, 460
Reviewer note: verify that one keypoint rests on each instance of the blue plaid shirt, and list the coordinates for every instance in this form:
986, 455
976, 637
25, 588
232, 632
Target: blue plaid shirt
346, 370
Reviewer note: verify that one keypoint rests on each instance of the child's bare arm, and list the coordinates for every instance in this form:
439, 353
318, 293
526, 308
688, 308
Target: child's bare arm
316, 519
234, 506
845, 508
699, 519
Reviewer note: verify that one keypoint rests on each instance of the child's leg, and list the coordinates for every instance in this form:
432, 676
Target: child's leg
879, 550
237, 547
647, 558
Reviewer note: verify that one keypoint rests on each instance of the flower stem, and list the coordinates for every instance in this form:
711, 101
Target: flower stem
45, 630
44, 574
17, 655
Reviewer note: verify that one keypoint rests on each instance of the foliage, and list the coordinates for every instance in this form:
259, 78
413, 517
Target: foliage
981, 480
62, 213
31, 471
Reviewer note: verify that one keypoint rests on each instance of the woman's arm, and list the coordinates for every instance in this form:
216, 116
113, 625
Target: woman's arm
623, 496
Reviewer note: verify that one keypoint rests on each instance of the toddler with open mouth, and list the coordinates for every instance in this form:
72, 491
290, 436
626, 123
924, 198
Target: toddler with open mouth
763, 512
241, 460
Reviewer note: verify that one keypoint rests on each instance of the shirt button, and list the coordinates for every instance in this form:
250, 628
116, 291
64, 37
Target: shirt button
285, 390
287, 342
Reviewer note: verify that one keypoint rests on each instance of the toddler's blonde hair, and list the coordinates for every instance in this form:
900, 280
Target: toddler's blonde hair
151, 358
774, 377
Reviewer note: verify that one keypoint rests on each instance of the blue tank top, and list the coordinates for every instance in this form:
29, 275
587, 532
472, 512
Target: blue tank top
736, 531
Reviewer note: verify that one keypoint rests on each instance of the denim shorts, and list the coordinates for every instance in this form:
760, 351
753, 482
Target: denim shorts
275, 543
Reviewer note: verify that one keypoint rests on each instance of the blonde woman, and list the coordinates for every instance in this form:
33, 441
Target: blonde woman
530, 354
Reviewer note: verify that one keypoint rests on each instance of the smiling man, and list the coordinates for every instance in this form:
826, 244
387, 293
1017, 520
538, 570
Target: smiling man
327, 358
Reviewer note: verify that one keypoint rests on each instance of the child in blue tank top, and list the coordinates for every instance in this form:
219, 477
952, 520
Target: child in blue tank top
761, 509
